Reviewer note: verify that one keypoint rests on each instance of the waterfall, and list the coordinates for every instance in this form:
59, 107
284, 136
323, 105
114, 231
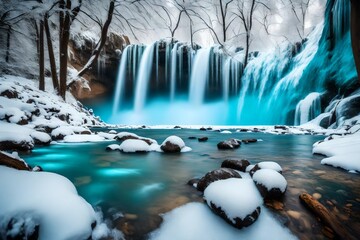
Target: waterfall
341, 18
308, 108
173, 71
144, 75
121, 78
226, 78
199, 76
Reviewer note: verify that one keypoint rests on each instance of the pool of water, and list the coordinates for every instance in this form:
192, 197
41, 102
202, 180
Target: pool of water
141, 186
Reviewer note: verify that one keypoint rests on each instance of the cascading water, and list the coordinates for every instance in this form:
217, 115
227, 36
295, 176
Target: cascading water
143, 77
199, 76
206, 86
120, 82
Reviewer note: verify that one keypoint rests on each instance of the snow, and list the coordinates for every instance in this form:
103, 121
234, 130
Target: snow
78, 138
342, 151
270, 165
270, 179
113, 147
15, 155
175, 140
248, 168
124, 134
134, 145
226, 132
109, 136
186, 149
50, 199
196, 221
237, 197
42, 137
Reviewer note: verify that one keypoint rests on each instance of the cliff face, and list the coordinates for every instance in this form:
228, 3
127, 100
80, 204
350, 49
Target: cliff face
103, 75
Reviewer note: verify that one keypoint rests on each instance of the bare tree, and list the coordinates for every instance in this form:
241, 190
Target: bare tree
299, 9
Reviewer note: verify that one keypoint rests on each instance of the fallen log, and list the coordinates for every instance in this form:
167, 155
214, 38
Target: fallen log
12, 162
325, 216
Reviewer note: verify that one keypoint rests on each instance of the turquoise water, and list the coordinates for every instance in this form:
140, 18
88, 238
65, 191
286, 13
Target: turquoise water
145, 185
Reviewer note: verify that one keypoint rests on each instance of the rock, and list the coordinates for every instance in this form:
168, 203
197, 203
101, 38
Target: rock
21, 146
202, 129
9, 94
192, 138
112, 132
235, 200
193, 182
113, 147
10, 161
209, 129
203, 139
282, 127
172, 144
134, 146
125, 136
85, 132
37, 169
177, 127
266, 165
239, 165
228, 144
215, 175
251, 140
270, 183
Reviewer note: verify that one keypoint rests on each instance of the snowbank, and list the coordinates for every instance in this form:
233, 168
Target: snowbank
196, 221
49, 199
342, 151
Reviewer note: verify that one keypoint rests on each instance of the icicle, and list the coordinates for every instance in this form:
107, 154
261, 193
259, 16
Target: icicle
308, 108
157, 64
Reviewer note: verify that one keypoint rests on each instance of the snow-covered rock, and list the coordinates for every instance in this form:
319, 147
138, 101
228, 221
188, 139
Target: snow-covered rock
215, 175
113, 147
134, 145
239, 165
122, 136
341, 151
266, 165
271, 184
237, 201
109, 136
45, 199
226, 132
172, 144
13, 160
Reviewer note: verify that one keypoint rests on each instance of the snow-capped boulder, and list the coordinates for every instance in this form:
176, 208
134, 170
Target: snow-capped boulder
134, 145
122, 136
113, 147
266, 165
235, 200
271, 184
172, 144
215, 175
229, 144
239, 165
41, 138
79, 138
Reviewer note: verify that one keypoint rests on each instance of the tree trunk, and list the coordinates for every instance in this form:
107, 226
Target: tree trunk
51, 54
355, 33
64, 49
41, 57
101, 44
246, 57
8, 44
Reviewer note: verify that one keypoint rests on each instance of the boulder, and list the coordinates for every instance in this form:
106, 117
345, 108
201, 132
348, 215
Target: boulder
239, 165
9, 94
235, 200
270, 183
23, 145
266, 165
215, 175
122, 136
251, 140
192, 138
202, 129
193, 182
229, 144
282, 127
134, 146
172, 144
203, 139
